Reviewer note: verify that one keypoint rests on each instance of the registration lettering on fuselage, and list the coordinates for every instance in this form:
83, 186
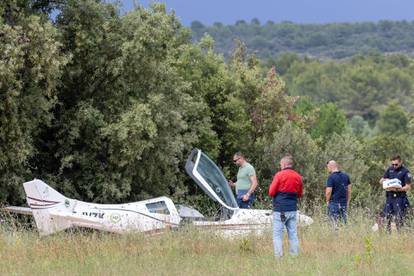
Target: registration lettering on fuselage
93, 214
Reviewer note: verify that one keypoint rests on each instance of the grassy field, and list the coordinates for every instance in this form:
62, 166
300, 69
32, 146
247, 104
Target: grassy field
354, 250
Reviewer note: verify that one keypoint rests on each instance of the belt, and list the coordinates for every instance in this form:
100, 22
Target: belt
396, 194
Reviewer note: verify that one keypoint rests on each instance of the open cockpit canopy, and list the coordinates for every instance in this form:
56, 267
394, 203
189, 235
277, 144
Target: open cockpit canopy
210, 178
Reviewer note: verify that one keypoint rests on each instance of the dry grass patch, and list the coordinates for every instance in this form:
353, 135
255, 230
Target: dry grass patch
352, 250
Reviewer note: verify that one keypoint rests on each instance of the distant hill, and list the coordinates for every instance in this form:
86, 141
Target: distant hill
335, 40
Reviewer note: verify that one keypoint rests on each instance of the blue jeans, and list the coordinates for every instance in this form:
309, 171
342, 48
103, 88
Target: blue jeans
337, 211
278, 228
244, 204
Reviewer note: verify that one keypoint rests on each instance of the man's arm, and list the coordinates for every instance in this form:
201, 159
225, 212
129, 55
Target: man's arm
274, 186
407, 181
328, 193
348, 195
385, 177
253, 180
406, 188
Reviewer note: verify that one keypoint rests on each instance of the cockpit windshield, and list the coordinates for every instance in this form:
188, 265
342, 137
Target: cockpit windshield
210, 178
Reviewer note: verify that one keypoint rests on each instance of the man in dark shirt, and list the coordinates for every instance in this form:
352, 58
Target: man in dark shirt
396, 203
337, 192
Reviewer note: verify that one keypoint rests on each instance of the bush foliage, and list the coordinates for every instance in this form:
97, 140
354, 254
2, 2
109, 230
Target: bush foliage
105, 107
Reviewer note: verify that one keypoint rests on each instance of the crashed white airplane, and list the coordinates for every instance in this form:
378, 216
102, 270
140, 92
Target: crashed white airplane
54, 212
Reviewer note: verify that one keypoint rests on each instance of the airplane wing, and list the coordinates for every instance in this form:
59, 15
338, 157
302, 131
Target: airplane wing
19, 210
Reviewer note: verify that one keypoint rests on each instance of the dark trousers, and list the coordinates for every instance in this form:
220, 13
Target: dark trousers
395, 208
337, 212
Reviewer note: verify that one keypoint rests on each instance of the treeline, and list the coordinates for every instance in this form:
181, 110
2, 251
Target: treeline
363, 86
106, 108
334, 40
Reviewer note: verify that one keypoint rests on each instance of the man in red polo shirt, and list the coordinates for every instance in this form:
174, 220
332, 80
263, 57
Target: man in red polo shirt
285, 189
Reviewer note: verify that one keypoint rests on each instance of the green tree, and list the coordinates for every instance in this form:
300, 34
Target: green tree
241, 90
284, 61
393, 120
12, 11
132, 104
309, 162
30, 68
330, 120
359, 126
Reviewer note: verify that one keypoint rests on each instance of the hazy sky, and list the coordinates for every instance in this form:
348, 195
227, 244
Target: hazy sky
300, 11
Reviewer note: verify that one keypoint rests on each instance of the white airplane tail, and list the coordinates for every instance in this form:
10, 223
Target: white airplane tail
46, 204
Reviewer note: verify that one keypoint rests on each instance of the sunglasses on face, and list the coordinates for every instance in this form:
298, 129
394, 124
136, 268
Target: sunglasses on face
235, 160
395, 164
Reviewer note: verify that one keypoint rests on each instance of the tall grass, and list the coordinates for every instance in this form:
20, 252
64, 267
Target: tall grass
351, 250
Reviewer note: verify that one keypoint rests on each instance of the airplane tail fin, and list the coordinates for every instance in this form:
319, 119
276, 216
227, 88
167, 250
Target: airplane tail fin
46, 204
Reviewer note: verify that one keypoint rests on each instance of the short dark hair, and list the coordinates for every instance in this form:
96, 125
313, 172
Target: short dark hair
396, 157
240, 154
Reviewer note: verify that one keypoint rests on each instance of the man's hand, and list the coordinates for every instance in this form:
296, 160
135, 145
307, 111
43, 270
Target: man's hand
393, 189
232, 184
406, 188
246, 197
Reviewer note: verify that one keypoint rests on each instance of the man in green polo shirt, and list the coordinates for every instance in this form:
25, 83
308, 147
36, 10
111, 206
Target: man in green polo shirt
246, 181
